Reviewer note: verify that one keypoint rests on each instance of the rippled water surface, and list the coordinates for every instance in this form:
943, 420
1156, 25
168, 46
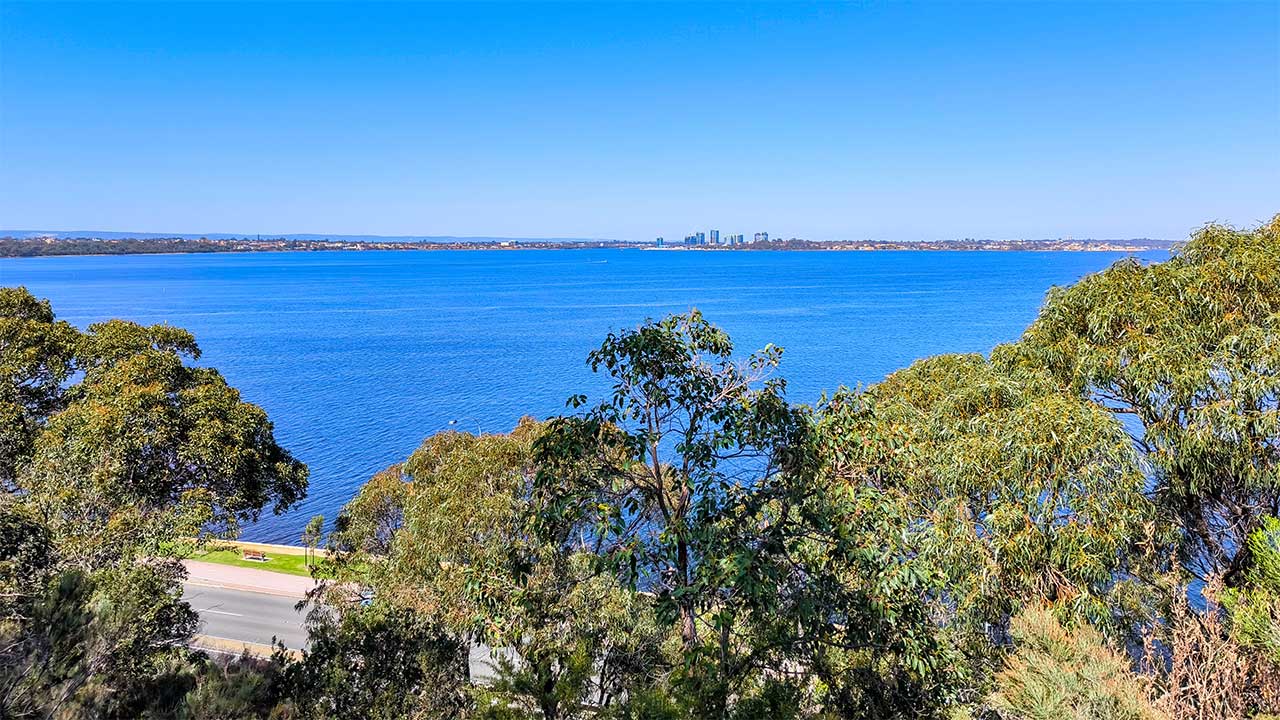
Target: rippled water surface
358, 355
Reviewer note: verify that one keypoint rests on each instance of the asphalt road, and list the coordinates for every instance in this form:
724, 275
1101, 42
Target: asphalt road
247, 616
244, 616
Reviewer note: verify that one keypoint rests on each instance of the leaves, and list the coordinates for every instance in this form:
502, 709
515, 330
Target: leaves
144, 450
36, 358
1015, 491
1189, 351
1057, 673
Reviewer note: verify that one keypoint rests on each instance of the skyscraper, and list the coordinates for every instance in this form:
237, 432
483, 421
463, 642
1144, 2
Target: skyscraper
702, 238
715, 237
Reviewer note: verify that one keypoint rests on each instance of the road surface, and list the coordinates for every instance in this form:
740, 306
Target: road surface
247, 617
235, 618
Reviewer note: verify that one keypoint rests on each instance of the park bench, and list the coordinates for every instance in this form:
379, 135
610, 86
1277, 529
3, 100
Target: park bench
255, 555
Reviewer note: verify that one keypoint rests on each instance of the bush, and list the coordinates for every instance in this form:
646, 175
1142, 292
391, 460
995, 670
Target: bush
1060, 674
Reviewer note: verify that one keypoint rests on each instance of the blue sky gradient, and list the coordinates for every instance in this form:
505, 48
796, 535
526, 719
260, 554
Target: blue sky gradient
838, 121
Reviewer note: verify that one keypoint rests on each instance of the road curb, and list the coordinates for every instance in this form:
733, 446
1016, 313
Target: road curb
227, 646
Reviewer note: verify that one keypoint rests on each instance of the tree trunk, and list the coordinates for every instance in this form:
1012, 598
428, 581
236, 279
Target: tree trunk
547, 702
688, 629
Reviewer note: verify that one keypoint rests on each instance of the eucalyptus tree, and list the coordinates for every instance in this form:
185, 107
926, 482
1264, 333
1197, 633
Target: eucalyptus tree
448, 535
119, 446
694, 480
1018, 492
1188, 351
145, 449
113, 449
685, 428
37, 353
312, 534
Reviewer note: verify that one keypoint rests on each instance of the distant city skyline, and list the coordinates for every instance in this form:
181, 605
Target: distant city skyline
693, 238
870, 120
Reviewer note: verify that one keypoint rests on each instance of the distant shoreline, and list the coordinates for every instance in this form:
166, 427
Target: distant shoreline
84, 247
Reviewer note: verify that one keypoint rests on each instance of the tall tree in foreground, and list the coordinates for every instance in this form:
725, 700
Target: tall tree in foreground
143, 450
448, 538
694, 480
1188, 351
36, 359
113, 450
685, 430
1022, 493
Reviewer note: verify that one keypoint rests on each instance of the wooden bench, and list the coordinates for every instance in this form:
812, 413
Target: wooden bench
255, 555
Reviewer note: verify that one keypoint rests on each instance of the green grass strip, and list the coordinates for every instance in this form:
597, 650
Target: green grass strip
289, 564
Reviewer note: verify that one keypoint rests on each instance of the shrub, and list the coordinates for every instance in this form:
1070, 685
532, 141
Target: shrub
1060, 674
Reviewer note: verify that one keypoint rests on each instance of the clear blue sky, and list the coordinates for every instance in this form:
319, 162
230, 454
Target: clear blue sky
866, 119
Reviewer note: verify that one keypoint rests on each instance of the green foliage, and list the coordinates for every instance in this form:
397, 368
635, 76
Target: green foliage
822, 585
1189, 351
244, 688
36, 358
97, 646
312, 535
378, 663
448, 535
369, 521
657, 703
27, 558
695, 480
669, 448
1015, 491
144, 450
1060, 674
1255, 605
643, 476
113, 451
462, 547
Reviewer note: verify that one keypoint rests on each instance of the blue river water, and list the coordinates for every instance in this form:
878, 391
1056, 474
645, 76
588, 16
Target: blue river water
357, 356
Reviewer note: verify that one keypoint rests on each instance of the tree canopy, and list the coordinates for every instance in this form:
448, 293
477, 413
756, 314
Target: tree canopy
114, 454
1188, 351
143, 450
1022, 492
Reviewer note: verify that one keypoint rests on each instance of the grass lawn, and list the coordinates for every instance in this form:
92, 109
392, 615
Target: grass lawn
291, 564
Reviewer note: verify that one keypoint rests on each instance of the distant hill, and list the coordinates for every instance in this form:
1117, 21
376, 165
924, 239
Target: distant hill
309, 237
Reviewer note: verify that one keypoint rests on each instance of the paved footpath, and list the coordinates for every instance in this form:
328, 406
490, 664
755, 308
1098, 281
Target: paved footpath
245, 608
247, 579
